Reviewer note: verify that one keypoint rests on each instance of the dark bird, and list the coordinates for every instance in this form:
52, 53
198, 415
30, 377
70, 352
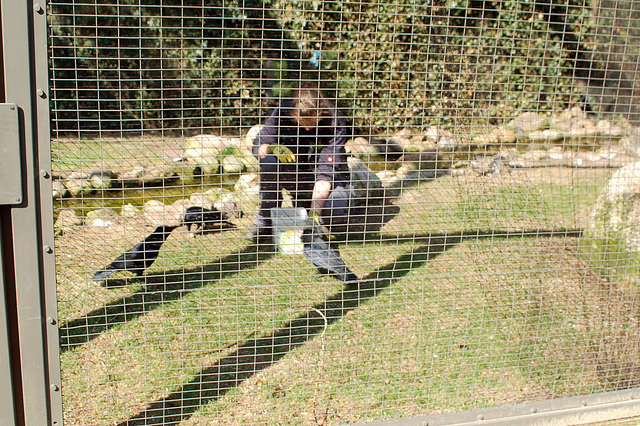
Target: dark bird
205, 220
140, 257
318, 251
584, 105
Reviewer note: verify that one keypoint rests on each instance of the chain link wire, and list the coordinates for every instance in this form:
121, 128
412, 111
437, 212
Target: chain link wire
490, 163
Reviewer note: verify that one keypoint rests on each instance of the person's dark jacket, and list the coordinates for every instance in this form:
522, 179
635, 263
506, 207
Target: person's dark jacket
319, 152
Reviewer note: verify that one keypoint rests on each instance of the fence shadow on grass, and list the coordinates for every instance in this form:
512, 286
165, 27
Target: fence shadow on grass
157, 290
171, 286
255, 355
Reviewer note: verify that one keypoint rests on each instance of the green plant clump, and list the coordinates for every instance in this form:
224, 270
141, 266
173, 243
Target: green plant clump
225, 64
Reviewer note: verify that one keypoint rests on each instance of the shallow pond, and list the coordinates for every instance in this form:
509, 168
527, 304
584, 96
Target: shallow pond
167, 193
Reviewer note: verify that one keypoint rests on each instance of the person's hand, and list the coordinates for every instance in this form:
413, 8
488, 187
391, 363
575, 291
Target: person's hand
284, 154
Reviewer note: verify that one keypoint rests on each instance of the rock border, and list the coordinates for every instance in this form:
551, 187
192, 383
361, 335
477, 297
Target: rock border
407, 157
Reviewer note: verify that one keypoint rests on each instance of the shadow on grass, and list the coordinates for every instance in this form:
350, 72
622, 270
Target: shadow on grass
171, 286
255, 355
157, 290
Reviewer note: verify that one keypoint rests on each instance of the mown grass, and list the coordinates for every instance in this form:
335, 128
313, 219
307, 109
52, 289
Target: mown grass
471, 297
105, 153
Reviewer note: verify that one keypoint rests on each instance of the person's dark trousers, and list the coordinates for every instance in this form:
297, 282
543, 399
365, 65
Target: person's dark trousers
272, 182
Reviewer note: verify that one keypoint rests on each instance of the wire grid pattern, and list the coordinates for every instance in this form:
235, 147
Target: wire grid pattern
493, 161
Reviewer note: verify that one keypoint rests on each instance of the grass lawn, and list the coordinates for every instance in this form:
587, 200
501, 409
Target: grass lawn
471, 297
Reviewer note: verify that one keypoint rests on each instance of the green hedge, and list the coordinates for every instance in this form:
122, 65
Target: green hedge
187, 67
177, 66
418, 63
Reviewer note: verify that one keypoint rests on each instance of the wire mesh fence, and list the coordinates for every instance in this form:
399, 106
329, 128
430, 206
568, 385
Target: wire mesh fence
476, 245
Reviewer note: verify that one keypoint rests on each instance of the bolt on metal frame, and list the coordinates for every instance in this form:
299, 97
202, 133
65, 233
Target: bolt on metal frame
31, 369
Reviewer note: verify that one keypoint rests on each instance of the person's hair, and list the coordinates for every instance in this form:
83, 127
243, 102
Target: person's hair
308, 102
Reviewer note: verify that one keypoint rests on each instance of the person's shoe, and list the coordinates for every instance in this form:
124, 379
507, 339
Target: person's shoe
259, 235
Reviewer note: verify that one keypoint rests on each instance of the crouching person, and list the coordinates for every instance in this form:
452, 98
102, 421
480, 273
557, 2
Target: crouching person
301, 149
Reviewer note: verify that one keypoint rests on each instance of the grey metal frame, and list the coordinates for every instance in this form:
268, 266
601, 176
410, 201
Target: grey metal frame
601, 407
29, 358
28, 268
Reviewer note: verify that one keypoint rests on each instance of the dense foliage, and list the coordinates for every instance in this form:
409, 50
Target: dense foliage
613, 83
190, 65
143, 66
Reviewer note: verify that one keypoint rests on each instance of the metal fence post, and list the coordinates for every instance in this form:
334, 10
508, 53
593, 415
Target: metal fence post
27, 220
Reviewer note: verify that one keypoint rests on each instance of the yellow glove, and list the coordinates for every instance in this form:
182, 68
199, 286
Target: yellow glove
284, 154
316, 217
320, 228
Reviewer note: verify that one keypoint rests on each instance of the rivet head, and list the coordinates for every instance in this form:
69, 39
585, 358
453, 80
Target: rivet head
55, 388
48, 249
42, 94
38, 8
51, 320
45, 174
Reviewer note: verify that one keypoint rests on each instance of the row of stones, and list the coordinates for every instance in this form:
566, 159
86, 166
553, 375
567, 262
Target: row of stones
605, 144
